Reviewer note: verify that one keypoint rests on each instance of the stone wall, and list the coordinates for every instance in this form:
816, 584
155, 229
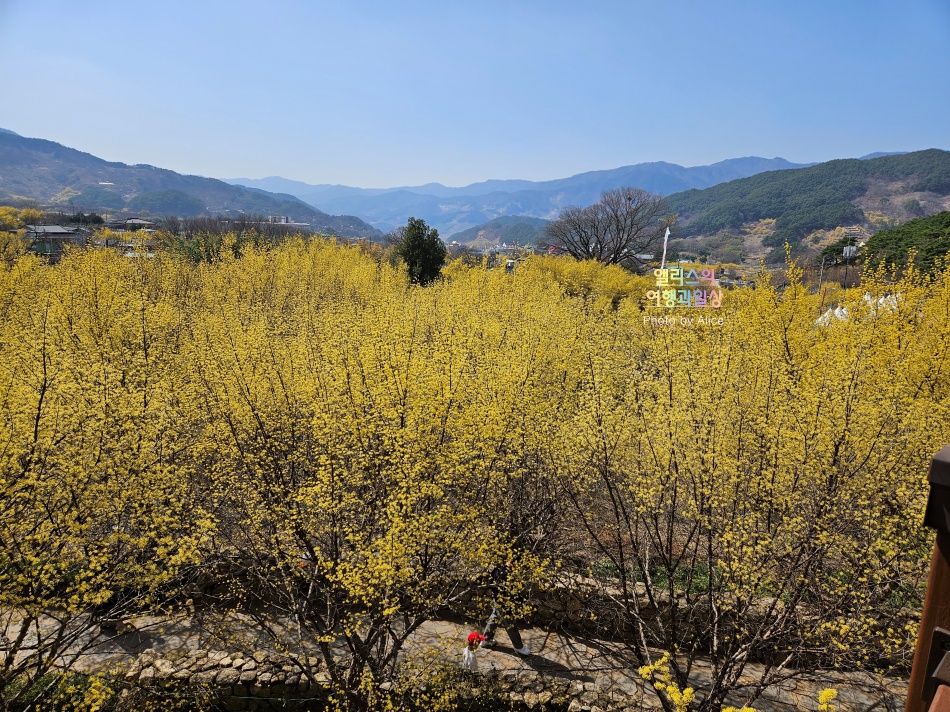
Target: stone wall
260, 681
243, 680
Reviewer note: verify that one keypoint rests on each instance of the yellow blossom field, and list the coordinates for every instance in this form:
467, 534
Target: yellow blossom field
327, 443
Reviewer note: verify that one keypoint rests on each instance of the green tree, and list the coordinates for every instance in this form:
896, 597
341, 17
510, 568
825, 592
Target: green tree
913, 207
421, 249
929, 237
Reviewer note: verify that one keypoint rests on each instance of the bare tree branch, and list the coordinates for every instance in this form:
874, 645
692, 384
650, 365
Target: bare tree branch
625, 223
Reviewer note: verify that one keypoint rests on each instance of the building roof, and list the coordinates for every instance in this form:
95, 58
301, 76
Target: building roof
52, 230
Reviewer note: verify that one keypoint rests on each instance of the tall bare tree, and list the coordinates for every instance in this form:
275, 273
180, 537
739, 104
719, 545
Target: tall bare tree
625, 223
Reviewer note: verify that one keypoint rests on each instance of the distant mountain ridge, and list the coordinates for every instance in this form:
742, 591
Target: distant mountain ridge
726, 199
453, 210
59, 176
675, 175
879, 154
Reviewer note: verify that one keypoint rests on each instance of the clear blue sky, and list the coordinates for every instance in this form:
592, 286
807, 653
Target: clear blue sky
389, 93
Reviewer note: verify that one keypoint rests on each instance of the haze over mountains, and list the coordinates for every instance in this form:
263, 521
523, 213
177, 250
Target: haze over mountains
453, 210
734, 210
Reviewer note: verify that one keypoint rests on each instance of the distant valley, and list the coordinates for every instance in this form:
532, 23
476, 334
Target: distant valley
453, 210
510, 230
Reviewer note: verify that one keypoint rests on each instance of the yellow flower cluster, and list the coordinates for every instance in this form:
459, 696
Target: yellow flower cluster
658, 674
825, 699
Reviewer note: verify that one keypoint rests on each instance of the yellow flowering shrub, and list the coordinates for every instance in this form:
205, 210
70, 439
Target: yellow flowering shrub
94, 514
758, 486
340, 456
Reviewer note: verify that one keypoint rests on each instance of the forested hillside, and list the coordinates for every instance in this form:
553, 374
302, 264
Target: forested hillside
820, 197
929, 237
511, 230
63, 178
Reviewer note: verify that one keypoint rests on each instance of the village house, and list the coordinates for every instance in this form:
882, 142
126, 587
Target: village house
51, 240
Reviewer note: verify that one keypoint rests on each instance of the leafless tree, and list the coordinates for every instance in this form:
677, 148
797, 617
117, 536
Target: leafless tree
394, 237
625, 223
172, 225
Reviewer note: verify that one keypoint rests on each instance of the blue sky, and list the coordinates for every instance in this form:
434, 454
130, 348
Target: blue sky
378, 94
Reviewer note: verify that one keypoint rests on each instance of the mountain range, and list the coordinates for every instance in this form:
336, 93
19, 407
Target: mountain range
453, 210
734, 210
750, 218
61, 177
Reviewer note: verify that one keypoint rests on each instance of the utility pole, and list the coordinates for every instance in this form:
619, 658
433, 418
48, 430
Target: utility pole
849, 251
821, 274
